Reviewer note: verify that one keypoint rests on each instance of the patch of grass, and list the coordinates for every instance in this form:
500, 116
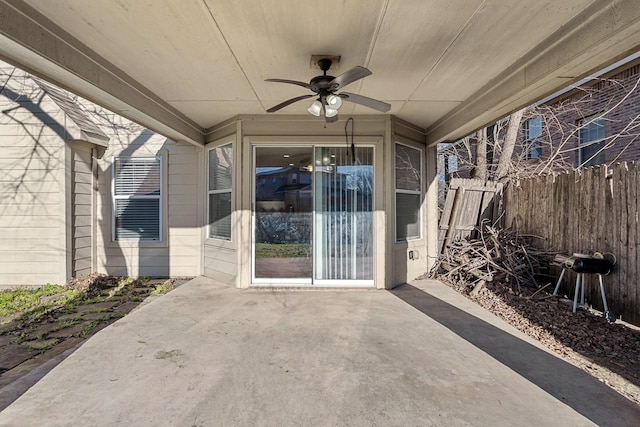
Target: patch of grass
123, 283
163, 288
89, 326
22, 299
67, 323
37, 311
283, 250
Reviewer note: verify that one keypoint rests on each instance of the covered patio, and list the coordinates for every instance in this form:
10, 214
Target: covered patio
195, 72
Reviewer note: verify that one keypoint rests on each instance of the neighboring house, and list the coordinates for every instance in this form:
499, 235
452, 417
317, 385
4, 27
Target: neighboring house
269, 201
83, 190
592, 124
596, 123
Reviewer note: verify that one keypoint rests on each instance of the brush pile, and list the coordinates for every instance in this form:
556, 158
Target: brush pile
500, 255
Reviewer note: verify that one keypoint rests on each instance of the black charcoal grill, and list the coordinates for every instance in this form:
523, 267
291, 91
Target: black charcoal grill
587, 264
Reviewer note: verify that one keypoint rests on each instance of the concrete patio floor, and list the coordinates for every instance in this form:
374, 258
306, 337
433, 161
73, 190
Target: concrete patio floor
210, 355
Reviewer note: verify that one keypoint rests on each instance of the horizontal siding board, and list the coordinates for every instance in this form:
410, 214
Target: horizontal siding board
185, 190
29, 221
182, 200
39, 267
82, 252
29, 233
33, 256
28, 279
82, 239
34, 244
26, 152
82, 187
183, 220
36, 187
186, 179
82, 221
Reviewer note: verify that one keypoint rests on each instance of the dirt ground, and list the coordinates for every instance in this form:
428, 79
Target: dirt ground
608, 351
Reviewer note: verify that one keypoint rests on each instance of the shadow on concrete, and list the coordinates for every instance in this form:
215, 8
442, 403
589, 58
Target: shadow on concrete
567, 383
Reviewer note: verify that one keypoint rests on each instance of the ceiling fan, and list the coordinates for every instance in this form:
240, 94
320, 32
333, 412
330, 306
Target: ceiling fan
325, 87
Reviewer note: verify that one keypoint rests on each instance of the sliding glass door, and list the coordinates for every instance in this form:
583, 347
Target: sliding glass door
313, 216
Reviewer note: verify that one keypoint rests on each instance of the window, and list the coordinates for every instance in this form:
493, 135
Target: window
408, 193
220, 182
590, 141
533, 138
137, 198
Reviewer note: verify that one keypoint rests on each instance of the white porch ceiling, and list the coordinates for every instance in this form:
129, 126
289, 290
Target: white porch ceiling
181, 67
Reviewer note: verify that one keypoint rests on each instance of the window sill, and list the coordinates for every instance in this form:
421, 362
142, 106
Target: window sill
133, 243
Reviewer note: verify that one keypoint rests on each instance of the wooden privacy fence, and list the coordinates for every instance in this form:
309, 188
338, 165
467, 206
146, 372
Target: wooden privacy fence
586, 211
468, 203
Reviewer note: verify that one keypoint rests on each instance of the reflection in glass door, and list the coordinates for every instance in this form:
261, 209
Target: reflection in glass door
313, 216
343, 240
283, 214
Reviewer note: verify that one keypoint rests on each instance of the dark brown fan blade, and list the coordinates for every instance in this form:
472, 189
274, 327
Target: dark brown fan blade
349, 76
367, 102
288, 102
293, 82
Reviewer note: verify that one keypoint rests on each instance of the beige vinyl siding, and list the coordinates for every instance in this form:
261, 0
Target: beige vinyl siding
404, 268
31, 209
220, 263
81, 210
179, 253
32, 204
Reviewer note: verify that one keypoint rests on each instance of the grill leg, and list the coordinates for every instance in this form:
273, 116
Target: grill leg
604, 298
555, 291
575, 296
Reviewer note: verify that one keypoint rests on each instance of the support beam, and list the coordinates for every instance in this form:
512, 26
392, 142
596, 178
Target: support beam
32, 42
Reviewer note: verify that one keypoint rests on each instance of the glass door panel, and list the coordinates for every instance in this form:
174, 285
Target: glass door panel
283, 213
343, 240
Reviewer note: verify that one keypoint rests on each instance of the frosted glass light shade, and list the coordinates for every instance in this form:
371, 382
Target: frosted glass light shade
315, 108
334, 101
330, 112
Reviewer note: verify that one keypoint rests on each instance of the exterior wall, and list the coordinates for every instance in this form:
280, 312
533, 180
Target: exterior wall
32, 179
231, 261
405, 268
220, 257
179, 251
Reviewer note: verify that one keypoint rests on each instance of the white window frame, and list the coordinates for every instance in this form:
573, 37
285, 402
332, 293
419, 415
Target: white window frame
585, 122
229, 190
159, 197
397, 191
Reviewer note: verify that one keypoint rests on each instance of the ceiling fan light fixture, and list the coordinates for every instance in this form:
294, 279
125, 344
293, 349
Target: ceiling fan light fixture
315, 108
330, 112
334, 101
